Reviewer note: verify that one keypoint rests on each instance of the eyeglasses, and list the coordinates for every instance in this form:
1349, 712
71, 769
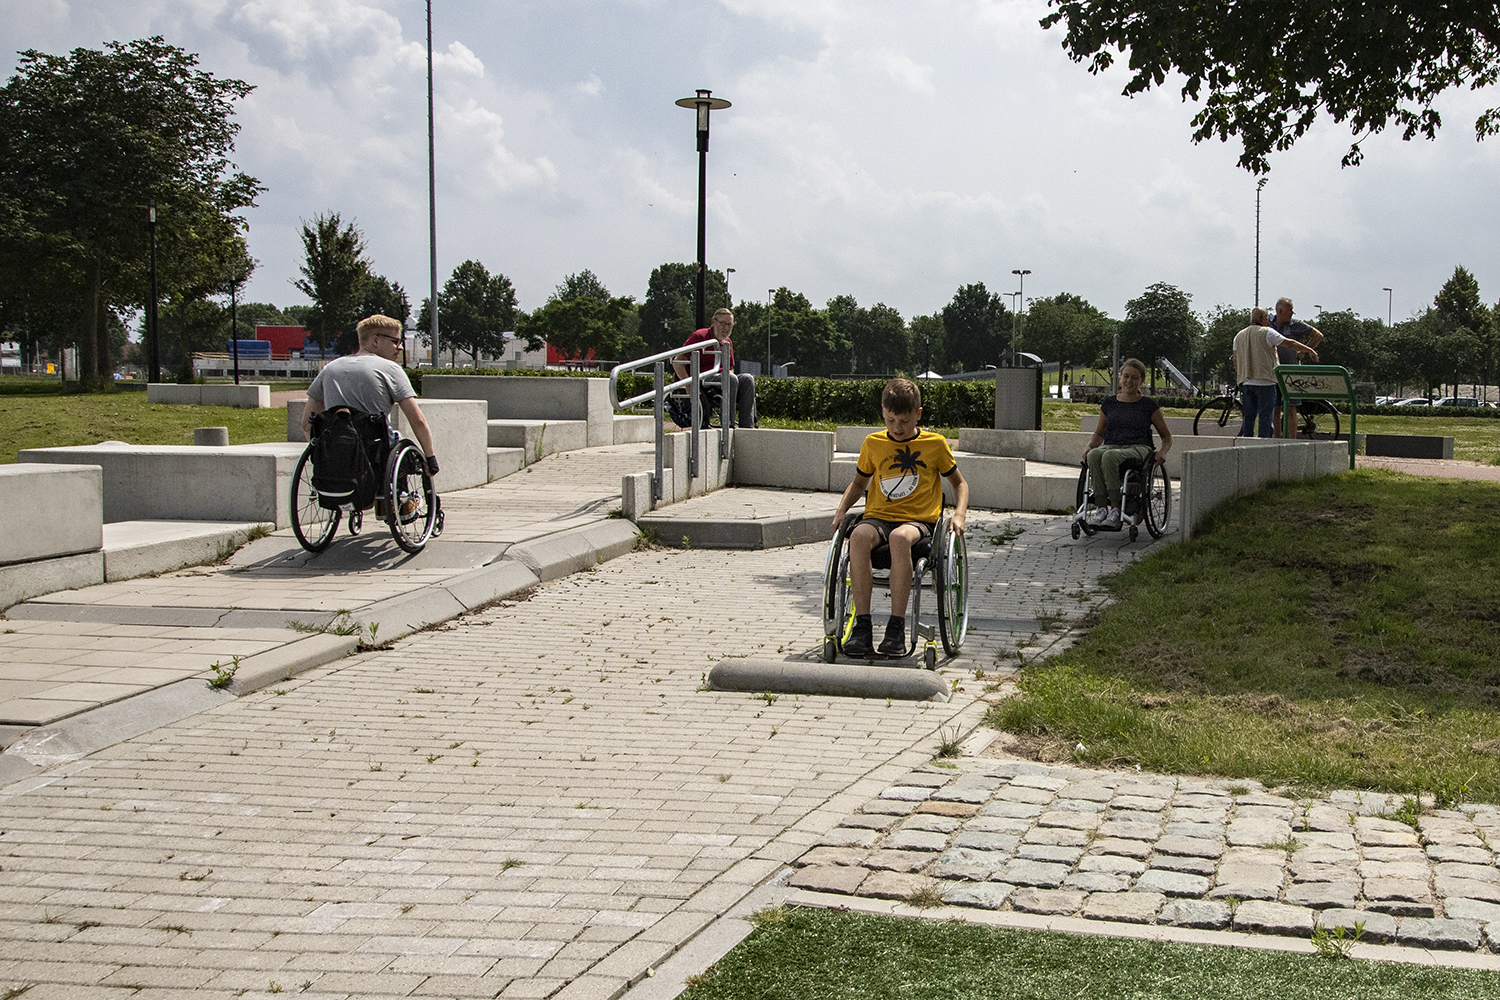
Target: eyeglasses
386, 336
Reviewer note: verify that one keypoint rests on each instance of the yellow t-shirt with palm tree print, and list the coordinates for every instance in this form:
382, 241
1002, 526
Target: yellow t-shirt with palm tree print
904, 483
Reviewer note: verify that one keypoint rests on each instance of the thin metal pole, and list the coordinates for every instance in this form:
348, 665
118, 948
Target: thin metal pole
155, 375
702, 226
432, 194
1259, 184
697, 412
656, 484
234, 335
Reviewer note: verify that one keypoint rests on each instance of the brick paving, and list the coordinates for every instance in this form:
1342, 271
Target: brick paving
1001, 834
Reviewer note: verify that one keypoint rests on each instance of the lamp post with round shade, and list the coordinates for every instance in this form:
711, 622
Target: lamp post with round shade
703, 103
1389, 295
1015, 347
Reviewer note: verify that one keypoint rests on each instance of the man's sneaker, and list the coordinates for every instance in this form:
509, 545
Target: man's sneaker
894, 643
861, 641
1112, 520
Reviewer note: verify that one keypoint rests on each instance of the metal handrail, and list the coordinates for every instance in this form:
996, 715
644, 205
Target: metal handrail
658, 394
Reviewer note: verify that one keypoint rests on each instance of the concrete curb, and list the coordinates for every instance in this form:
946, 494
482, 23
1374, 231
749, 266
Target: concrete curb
840, 680
1139, 932
741, 533
555, 556
284, 662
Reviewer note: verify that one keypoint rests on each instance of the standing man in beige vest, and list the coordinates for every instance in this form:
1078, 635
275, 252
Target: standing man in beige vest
1255, 371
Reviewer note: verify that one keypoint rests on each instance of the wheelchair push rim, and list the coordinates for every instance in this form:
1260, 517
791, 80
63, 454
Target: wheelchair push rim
951, 580
412, 508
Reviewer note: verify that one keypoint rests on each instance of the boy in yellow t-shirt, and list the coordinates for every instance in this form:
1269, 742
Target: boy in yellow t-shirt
899, 468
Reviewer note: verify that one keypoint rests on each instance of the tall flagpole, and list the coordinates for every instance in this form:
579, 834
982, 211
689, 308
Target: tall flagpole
432, 194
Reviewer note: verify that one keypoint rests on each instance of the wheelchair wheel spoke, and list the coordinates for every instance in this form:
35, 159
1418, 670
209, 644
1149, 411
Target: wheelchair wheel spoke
312, 523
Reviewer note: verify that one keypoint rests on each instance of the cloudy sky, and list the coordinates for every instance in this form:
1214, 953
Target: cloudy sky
887, 149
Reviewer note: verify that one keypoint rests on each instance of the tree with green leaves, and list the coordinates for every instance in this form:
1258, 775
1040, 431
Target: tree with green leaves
804, 336
1215, 364
335, 275
1067, 330
667, 314
1160, 324
1267, 71
878, 336
475, 310
929, 350
87, 141
583, 317
976, 327
584, 284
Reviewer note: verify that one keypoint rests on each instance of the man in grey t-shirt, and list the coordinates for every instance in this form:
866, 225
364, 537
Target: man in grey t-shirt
370, 382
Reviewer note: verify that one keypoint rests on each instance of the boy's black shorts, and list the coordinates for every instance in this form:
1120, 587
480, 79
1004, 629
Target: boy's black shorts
886, 527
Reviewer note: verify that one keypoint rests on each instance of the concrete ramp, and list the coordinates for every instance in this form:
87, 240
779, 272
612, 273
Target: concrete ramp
839, 680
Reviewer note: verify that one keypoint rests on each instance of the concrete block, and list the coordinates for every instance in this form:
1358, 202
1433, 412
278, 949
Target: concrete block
523, 397
1330, 457
796, 460
51, 511
1044, 494
169, 393
994, 481
490, 583
1064, 447
1260, 464
1182, 444
841, 472
504, 461
140, 548
294, 408
211, 437
1408, 446
1015, 443
240, 397
537, 438
23, 581
1296, 460
635, 495
183, 483
458, 439
631, 428
1018, 398
837, 679
851, 439
1210, 476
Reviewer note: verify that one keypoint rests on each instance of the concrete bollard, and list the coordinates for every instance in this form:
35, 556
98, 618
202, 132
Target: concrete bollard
211, 437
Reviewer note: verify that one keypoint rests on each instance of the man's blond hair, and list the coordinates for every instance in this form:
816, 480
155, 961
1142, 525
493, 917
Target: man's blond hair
370, 326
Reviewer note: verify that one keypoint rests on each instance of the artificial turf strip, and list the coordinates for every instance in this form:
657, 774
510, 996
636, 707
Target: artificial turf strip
831, 954
1338, 632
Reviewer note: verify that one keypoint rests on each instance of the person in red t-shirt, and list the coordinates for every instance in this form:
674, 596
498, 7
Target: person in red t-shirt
741, 387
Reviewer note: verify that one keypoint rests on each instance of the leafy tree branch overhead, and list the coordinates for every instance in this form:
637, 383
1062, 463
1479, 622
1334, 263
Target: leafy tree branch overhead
1267, 69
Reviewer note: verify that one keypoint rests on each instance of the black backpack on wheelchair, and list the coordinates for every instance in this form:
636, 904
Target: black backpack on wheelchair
348, 457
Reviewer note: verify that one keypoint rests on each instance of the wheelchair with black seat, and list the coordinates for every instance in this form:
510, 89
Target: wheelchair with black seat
1145, 498
354, 462
940, 565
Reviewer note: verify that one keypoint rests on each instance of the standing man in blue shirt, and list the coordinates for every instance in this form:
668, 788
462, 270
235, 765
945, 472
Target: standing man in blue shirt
1292, 330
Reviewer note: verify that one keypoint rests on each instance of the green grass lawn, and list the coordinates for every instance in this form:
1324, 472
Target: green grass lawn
1333, 633
832, 955
43, 421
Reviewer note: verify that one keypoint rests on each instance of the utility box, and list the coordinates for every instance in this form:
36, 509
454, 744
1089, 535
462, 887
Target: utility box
1018, 399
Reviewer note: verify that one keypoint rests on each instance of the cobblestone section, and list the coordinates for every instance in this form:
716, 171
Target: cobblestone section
1147, 849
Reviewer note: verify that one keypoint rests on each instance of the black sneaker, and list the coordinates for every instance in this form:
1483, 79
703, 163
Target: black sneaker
861, 641
894, 643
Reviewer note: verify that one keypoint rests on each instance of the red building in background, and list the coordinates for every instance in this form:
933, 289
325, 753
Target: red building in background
284, 339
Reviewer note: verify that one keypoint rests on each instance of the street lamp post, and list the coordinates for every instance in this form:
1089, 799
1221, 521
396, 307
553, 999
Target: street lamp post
727, 272
1015, 346
770, 312
703, 104
1388, 296
431, 198
1258, 185
155, 355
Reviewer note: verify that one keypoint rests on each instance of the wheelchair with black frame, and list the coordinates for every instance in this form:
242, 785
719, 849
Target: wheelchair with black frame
353, 463
940, 565
1145, 498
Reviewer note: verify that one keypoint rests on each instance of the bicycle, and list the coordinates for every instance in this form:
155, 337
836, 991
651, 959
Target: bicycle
1313, 417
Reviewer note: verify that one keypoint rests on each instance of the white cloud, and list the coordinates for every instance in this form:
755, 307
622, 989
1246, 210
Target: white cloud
592, 87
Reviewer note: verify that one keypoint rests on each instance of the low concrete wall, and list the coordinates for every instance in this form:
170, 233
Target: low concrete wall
1408, 446
241, 397
1212, 476
185, 483
458, 438
50, 510
796, 460
523, 397
1179, 426
1066, 447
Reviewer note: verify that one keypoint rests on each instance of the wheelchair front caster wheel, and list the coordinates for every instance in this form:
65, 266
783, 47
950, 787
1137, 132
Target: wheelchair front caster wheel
356, 521
929, 657
437, 528
830, 650
1076, 531
1134, 531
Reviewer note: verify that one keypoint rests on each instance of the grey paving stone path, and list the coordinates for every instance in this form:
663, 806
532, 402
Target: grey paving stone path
1005, 834
537, 799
